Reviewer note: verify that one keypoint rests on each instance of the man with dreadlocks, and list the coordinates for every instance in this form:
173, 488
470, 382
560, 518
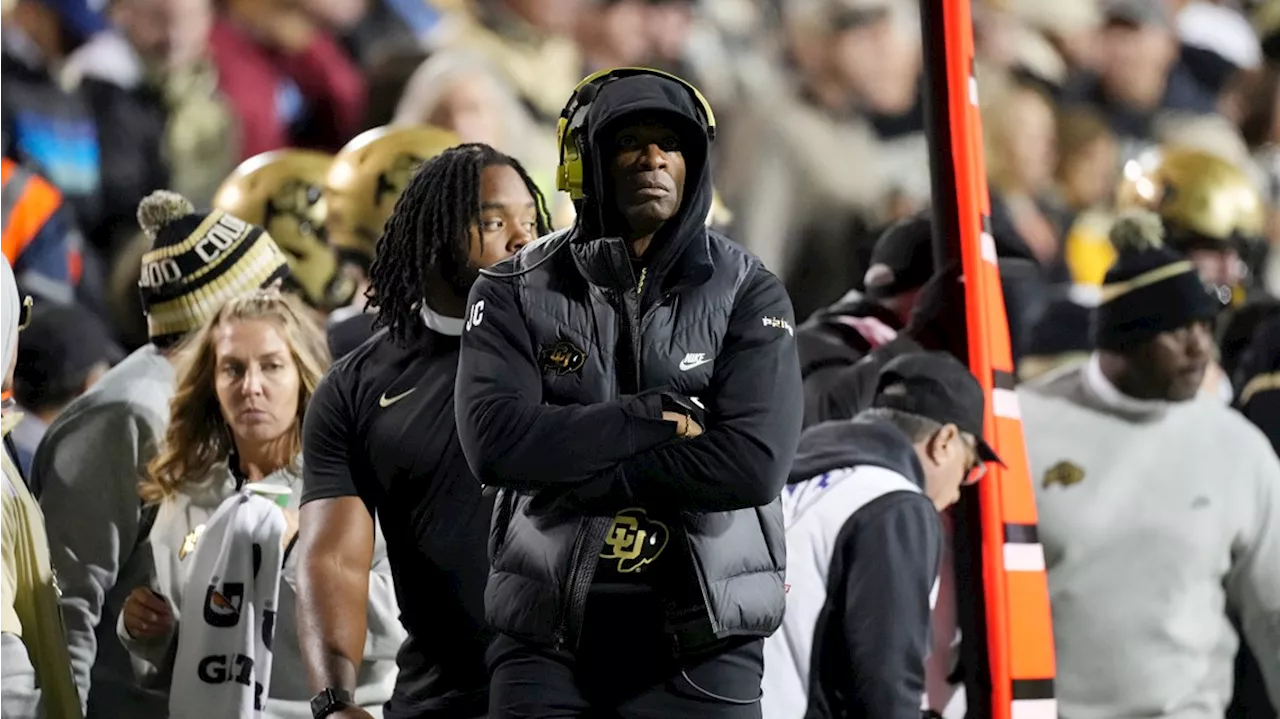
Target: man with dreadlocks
380, 441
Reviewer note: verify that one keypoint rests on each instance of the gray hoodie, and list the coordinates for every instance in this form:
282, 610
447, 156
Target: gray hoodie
87, 470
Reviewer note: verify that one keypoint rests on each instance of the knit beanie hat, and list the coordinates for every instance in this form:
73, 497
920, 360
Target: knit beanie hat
197, 262
1150, 289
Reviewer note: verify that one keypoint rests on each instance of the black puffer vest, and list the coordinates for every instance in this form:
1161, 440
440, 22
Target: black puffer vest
542, 566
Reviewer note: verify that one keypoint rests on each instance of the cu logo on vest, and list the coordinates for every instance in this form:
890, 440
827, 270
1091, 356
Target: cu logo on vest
476, 315
222, 608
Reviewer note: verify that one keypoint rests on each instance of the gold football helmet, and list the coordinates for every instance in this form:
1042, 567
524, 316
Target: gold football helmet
1205, 201
281, 191
366, 179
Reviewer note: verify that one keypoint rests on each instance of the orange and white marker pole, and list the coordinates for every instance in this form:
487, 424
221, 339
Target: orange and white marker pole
1003, 595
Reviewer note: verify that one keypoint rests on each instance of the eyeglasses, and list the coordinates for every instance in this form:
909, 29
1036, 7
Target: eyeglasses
24, 313
977, 468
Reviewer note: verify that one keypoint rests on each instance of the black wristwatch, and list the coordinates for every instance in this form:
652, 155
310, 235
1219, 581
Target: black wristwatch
329, 701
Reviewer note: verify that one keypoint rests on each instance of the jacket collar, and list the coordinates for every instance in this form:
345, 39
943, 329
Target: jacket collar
606, 262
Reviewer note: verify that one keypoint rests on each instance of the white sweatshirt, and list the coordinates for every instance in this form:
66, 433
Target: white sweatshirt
1156, 519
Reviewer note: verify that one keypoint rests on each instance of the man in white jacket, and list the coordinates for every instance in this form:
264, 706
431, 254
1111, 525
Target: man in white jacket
87, 467
864, 544
1159, 507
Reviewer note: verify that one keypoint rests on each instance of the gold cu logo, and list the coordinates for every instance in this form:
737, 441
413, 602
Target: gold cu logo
562, 358
634, 540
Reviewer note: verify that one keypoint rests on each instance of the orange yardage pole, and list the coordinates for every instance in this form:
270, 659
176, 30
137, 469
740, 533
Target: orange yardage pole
1019, 631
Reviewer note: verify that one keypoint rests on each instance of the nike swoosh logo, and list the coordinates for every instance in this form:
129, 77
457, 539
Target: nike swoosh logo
686, 365
386, 401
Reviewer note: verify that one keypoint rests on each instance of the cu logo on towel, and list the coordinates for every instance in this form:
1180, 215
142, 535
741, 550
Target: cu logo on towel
475, 315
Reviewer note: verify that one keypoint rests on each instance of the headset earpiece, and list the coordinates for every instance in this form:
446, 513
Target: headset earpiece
570, 175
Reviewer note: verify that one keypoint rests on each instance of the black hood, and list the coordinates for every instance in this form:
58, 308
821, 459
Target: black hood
617, 101
858, 442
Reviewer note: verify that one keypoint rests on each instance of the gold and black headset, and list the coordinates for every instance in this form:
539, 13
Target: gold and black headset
571, 130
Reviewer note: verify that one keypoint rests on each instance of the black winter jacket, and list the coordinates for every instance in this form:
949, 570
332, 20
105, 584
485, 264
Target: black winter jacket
563, 375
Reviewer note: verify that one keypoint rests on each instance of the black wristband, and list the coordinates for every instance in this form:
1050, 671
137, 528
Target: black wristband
329, 701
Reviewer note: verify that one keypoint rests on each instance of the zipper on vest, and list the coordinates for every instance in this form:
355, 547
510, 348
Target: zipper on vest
631, 318
592, 531
582, 566
567, 610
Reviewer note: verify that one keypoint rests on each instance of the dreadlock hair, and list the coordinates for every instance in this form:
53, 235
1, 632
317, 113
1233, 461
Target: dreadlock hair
429, 230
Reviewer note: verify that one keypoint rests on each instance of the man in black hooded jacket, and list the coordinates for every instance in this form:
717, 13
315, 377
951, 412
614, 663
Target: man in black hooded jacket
631, 388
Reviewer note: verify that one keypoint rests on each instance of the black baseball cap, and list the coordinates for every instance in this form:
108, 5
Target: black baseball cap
936, 386
902, 258
63, 341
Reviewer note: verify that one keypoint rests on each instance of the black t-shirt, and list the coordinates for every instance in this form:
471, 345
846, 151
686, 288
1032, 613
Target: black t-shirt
381, 427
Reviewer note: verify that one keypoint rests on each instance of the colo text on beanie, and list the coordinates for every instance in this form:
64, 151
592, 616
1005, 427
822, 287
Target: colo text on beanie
197, 262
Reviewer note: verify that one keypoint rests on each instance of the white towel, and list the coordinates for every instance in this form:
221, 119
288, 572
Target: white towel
223, 665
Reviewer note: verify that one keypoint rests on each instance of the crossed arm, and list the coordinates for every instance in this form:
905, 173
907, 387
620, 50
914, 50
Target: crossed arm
616, 453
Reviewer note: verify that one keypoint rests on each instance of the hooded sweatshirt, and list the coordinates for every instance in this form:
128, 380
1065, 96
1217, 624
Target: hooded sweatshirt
33, 655
86, 471
863, 549
1160, 523
576, 349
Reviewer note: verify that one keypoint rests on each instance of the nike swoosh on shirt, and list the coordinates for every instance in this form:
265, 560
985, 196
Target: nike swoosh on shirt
386, 401
686, 365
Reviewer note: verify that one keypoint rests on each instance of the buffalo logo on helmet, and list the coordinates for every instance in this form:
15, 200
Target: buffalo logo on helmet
300, 201
395, 178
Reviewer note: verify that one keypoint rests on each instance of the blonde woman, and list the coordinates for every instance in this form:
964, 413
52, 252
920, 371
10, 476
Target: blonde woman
244, 381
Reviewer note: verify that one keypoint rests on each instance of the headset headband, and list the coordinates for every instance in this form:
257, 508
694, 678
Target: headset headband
585, 93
